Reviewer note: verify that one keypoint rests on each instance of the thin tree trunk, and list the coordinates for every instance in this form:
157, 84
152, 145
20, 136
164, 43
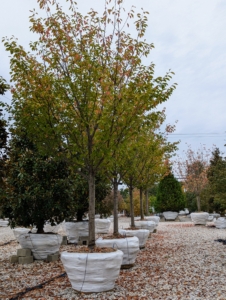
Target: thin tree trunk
115, 195
131, 204
198, 203
91, 209
79, 215
141, 205
147, 202
40, 226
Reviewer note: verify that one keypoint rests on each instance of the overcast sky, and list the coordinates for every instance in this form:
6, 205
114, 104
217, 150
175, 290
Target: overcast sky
189, 38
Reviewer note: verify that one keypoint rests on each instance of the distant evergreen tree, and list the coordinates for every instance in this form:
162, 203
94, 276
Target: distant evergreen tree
170, 196
217, 182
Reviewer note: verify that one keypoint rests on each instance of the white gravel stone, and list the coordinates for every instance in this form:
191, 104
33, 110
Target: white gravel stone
180, 262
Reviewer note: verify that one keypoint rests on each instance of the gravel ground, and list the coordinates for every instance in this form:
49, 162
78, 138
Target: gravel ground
180, 261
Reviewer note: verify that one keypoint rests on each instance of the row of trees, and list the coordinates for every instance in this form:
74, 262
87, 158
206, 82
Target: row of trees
84, 99
167, 195
200, 184
31, 177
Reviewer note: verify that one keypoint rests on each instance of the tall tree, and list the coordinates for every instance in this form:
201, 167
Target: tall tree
217, 181
83, 86
193, 171
151, 165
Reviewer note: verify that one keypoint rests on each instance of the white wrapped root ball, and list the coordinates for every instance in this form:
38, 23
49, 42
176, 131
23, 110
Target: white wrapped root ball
156, 219
102, 225
128, 245
170, 215
76, 229
199, 218
41, 245
92, 272
4, 222
220, 223
49, 228
149, 225
20, 231
141, 234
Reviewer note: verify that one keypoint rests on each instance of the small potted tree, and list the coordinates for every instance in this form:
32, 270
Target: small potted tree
170, 198
141, 234
38, 190
199, 218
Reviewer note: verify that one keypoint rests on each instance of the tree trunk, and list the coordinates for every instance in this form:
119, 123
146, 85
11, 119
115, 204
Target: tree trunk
147, 202
115, 191
141, 205
198, 203
91, 209
131, 204
79, 215
40, 226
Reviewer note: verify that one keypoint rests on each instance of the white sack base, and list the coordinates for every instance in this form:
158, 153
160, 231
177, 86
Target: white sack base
215, 215
76, 229
129, 246
141, 234
49, 228
102, 225
41, 245
170, 215
20, 231
149, 225
199, 218
156, 219
4, 223
92, 272
220, 223
182, 213
62, 229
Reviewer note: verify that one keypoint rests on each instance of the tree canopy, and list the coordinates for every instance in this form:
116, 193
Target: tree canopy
38, 188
